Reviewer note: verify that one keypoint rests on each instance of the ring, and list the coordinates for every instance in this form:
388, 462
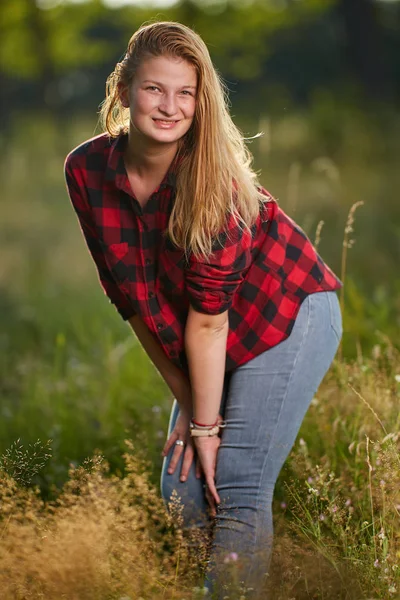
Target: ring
179, 443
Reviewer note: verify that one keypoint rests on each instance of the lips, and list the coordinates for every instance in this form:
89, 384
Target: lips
167, 122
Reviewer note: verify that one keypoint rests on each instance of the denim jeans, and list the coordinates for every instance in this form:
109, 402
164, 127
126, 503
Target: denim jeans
264, 402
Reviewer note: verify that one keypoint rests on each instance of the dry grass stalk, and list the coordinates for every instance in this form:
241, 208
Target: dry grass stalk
347, 243
318, 234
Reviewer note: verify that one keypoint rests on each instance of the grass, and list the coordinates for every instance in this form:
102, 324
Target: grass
107, 536
80, 512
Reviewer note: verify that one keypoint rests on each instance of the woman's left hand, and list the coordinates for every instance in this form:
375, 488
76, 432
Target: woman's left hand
207, 450
180, 432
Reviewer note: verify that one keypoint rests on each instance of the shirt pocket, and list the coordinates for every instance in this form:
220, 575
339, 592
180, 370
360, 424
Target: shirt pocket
118, 260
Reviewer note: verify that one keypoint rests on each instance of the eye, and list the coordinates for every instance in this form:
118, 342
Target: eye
153, 88
186, 93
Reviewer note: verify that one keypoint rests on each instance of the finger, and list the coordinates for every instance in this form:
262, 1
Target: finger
175, 459
169, 443
211, 501
198, 468
187, 462
212, 489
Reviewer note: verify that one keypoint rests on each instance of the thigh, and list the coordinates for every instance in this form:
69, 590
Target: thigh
268, 397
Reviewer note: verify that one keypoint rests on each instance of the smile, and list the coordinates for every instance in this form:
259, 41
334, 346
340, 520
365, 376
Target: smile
164, 123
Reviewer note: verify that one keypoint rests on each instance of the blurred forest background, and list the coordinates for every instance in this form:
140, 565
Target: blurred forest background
320, 78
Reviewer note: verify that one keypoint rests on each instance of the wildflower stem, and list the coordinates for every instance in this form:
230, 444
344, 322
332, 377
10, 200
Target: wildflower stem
370, 496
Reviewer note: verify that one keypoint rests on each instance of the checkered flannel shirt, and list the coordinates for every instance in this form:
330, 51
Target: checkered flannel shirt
261, 277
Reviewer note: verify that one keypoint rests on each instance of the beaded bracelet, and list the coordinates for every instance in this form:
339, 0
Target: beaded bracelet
194, 432
197, 430
203, 426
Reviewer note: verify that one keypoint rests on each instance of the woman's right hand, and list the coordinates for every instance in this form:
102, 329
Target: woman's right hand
181, 431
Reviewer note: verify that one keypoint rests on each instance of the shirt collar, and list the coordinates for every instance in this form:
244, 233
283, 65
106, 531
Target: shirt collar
116, 172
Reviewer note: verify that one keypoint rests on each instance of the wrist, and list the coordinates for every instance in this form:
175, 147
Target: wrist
205, 425
185, 403
203, 430
186, 411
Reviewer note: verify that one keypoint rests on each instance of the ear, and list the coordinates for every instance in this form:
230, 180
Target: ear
123, 94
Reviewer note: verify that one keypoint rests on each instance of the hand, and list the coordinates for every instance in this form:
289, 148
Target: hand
181, 431
207, 450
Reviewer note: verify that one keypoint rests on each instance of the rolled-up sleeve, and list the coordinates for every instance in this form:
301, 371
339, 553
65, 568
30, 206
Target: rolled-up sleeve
77, 194
211, 283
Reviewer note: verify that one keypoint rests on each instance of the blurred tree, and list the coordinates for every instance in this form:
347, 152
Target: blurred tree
364, 47
38, 28
59, 57
39, 47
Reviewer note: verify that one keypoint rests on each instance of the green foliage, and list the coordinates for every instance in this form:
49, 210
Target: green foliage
64, 36
40, 42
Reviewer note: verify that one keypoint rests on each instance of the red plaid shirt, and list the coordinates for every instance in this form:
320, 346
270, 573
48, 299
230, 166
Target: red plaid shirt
261, 277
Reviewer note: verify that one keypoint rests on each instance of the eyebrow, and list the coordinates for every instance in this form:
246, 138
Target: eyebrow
160, 84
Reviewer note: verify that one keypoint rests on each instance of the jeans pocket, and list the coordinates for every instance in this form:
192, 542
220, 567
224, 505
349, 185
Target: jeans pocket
335, 314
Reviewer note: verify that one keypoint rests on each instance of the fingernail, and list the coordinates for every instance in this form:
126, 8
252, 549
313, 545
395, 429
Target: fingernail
183, 478
170, 471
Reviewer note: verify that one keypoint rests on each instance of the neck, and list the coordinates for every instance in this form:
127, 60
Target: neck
145, 157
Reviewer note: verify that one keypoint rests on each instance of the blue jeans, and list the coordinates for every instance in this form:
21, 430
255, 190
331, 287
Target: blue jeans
264, 402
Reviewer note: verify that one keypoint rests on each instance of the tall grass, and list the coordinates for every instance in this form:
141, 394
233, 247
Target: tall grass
337, 510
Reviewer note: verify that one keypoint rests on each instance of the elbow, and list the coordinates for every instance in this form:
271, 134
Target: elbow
212, 324
221, 327
215, 329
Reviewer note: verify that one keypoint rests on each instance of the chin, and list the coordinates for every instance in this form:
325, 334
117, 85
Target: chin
166, 137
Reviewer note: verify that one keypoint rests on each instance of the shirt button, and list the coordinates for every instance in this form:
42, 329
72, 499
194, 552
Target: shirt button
160, 326
151, 294
172, 353
147, 261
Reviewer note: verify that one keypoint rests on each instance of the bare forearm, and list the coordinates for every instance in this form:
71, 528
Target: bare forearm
175, 379
206, 355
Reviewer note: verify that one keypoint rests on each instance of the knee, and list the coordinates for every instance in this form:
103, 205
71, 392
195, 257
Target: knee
185, 500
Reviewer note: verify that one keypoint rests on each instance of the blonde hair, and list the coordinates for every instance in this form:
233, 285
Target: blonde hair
214, 176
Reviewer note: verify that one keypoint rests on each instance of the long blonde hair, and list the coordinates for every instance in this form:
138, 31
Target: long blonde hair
214, 177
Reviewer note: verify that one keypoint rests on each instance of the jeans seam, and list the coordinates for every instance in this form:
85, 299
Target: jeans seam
338, 336
306, 329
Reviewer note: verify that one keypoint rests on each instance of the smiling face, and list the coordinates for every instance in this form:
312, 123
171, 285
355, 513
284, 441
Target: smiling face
161, 99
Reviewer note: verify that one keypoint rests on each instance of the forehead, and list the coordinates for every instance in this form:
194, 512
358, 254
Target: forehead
168, 69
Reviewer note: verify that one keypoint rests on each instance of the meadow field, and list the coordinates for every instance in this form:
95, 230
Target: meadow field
84, 412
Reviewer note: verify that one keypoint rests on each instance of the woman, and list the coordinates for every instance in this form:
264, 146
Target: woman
224, 291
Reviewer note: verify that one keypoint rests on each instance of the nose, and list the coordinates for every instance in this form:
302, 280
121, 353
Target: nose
168, 104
